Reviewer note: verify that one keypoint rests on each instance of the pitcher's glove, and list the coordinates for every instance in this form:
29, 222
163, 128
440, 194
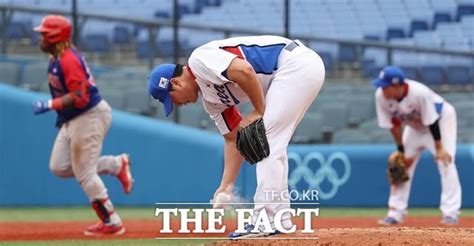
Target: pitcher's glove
396, 169
252, 142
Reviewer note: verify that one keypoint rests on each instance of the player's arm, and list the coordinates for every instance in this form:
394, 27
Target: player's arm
78, 96
232, 162
242, 73
441, 153
397, 131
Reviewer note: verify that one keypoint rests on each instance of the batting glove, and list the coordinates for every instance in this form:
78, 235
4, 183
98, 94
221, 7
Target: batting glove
40, 107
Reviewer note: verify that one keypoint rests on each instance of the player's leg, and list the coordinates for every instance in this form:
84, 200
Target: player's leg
292, 91
60, 161
118, 165
87, 134
399, 194
450, 186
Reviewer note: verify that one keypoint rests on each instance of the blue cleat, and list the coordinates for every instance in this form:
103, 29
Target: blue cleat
387, 221
449, 220
249, 234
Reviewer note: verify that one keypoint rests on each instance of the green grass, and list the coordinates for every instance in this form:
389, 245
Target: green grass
85, 213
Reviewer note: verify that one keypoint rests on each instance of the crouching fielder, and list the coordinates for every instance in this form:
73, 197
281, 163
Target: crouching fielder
430, 124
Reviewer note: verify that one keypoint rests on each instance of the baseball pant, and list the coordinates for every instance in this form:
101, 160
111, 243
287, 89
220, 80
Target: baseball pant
77, 150
296, 84
415, 141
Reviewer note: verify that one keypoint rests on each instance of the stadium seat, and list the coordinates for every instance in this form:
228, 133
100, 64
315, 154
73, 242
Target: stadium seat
193, 115
137, 101
17, 30
34, 76
121, 35
115, 97
433, 75
10, 72
309, 130
445, 6
98, 43
441, 17
418, 25
395, 32
327, 60
380, 135
463, 10
360, 109
335, 116
459, 75
350, 136
411, 72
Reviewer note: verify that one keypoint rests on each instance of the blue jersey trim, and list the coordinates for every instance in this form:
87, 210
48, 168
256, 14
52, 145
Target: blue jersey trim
264, 59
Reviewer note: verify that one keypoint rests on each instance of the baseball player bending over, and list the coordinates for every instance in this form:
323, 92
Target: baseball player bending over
280, 77
430, 124
83, 119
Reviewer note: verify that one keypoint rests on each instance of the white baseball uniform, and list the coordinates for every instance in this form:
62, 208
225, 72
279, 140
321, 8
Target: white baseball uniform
420, 108
291, 76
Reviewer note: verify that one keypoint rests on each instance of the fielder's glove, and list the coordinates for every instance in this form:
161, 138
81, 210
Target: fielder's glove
396, 169
252, 142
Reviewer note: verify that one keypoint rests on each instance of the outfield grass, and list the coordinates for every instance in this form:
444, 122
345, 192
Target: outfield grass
86, 213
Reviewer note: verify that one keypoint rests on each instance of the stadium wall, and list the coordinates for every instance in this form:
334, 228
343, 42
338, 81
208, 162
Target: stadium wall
173, 163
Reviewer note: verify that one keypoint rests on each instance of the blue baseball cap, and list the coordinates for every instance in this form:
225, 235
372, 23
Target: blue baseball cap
159, 84
389, 76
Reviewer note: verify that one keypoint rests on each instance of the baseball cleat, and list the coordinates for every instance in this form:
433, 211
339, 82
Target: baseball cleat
387, 221
125, 175
100, 229
249, 234
449, 220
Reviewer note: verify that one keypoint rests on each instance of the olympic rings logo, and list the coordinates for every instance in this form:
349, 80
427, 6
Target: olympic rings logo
326, 170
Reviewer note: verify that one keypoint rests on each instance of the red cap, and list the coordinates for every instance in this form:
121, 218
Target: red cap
55, 28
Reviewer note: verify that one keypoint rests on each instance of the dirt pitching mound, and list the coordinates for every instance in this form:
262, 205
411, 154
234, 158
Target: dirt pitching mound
370, 236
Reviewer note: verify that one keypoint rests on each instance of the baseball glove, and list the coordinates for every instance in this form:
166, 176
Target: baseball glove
252, 142
396, 169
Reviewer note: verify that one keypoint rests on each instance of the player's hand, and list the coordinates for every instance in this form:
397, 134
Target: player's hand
221, 196
251, 117
443, 156
40, 107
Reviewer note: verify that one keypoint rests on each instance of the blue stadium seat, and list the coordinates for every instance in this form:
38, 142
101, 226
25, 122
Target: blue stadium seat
115, 97
350, 136
441, 17
463, 10
433, 75
360, 109
309, 129
445, 6
17, 30
348, 53
98, 43
459, 75
418, 25
34, 75
335, 115
10, 72
137, 101
121, 35
373, 60
327, 60
395, 32
411, 72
